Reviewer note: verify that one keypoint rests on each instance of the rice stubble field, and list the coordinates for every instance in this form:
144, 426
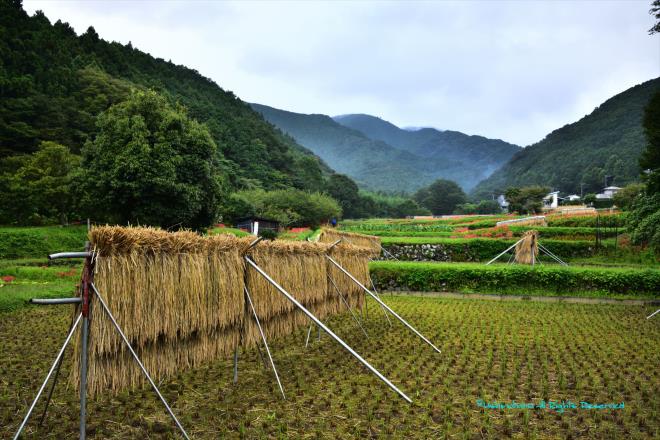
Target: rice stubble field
510, 353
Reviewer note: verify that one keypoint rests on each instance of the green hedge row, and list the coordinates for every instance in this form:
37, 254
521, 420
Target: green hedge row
413, 233
368, 228
38, 242
567, 231
591, 221
473, 249
516, 279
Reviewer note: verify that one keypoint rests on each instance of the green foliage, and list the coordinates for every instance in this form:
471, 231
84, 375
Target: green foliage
54, 84
625, 197
516, 279
345, 191
526, 200
404, 227
606, 142
225, 230
482, 207
268, 234
575, 233
378, 205
644, 222
289, 207
38, 242
483, 249
441, 197
39, 188
151, 164
655, 11
588, 221
650, 158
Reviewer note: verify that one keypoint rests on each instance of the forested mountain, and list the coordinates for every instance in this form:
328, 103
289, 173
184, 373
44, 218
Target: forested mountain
372, 164
607, 142
483, 154
376, 163
54, 83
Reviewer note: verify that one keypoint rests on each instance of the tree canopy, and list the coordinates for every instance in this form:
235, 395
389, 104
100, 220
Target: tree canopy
441, 197
526, 200
151, 164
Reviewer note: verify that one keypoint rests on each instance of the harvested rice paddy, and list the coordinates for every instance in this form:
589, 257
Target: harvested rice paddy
493, 353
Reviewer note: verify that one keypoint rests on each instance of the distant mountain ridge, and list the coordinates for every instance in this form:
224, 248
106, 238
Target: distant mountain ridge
607, 142
387, 157
480, 152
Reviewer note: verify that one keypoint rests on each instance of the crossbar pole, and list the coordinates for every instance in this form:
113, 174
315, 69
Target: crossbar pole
318, 322
557, 260
389, 309
348, 306
236, 364
551, 254
60, 255
507, 250
139, 362
309, 332
653, 314
382, 308
50, 372
55, 301
263, 337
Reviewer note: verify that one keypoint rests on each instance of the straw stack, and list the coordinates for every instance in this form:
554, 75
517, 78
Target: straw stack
360, 240
300, 268
177, 296
527, 249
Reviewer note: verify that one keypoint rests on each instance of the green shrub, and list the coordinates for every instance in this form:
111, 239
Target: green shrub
590, 221
38, 242
515, 279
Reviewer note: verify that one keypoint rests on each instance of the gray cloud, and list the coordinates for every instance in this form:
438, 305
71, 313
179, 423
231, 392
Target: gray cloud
513, 70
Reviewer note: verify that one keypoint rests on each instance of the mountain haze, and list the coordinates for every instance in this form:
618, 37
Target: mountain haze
481, 153
379, 164
607, 142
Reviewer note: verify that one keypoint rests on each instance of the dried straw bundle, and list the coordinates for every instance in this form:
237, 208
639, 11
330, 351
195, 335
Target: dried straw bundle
163, 289
361, 240
117, 371
527, 250
179, 297
356, 261
299, 267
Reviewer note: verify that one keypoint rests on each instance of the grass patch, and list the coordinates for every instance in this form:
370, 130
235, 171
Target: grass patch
231, 231
38, 242
18, 284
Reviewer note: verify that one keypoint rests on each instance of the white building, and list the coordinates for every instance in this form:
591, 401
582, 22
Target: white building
551, 201
573, 197
502, 202
608, 192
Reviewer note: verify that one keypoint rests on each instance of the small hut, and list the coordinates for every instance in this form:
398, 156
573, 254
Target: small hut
255, 224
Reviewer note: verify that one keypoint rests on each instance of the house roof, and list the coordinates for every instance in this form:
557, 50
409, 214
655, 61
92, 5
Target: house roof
612, 187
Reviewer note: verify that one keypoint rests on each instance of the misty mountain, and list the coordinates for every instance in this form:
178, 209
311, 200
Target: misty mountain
377, 164
482, 154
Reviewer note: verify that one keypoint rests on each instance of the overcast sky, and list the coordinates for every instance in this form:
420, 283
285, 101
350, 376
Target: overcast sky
513, 70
